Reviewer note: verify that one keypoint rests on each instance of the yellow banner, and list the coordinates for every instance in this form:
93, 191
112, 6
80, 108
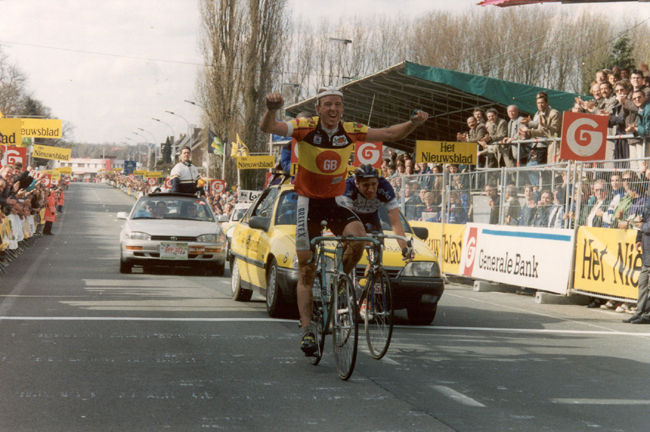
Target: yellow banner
117, 169
56, 176
153, 174
139, 172
39, 128
256, 162
450, 251
607, 262
64, 170
10, 130
442, 152
53, 153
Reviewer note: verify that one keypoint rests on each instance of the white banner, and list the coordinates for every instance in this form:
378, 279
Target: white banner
245, 196
537, 258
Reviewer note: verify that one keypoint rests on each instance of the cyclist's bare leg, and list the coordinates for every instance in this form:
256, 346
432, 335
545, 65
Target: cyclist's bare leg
353, 250
303, 291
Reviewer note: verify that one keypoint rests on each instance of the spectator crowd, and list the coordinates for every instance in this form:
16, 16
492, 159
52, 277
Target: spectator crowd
28, 209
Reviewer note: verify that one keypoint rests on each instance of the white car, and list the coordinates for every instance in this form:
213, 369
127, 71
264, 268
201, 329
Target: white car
228, 222
172, 230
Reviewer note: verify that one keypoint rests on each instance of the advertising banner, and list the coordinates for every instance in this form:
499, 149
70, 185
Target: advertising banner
583, 136
65, 170
607, 262
443, 152
10, 130
247, 195
139, 172
10, 155
256, 162
368, 153
450, 251
40, 128
154, 174
52, 153
217, 186
537, 258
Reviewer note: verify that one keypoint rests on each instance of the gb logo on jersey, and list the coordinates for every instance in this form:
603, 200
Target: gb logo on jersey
328, 162
583, 136
368, 153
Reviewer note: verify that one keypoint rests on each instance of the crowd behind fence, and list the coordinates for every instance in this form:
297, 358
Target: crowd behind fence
561, 195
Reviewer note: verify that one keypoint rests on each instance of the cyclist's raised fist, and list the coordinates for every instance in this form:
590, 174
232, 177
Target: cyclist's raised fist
274, 101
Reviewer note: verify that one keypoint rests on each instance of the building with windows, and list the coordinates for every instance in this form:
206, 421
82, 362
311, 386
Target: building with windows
85, 168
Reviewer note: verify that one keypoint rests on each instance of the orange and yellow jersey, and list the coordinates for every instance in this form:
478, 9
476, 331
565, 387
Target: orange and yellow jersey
323, 161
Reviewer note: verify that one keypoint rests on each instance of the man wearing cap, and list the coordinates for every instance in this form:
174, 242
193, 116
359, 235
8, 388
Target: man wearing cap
325, 144
184, 175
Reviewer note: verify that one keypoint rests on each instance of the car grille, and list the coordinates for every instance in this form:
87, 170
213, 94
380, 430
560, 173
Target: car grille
173, 238
392, 272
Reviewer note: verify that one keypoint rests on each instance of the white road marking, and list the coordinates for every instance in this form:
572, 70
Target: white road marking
519, 330
456, 396
45, 318
602, 401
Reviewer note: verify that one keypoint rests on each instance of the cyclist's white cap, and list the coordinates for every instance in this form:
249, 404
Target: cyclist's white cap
328, 91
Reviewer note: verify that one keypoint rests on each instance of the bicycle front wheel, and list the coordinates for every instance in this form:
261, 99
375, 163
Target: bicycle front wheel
378, 313
345, 326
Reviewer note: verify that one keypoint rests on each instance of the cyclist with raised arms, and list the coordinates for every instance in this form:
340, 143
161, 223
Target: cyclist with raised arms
324, 146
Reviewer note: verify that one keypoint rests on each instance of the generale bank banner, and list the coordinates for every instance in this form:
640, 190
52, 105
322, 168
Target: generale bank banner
538, 258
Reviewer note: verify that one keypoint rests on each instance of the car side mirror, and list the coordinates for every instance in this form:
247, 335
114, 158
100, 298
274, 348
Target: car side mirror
258, 222
421, 232
122, 215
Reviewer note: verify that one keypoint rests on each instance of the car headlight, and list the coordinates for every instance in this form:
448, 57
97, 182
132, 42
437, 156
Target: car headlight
294, 263
210, 238
136, 235
422, 269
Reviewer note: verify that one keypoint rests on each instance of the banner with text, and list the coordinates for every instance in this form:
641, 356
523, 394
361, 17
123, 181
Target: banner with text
52, 153
256, 162
39, 128
537, 258
607, 262
10, 130
450, 251
247, 195
443, 152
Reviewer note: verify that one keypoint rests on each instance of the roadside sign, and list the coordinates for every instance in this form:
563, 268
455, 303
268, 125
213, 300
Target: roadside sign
584, 136
168, 183
152, 182
368, 153
217, 186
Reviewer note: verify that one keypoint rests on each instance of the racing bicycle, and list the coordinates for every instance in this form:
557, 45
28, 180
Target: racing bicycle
376, 297
335, 304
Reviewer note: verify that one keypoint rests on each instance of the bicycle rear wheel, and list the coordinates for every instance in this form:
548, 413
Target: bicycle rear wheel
379, 313
345, 326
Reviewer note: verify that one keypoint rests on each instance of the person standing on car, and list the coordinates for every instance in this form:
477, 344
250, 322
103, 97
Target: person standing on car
184, 175
325, 144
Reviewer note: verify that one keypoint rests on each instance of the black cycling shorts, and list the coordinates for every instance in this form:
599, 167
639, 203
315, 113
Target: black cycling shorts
311, 212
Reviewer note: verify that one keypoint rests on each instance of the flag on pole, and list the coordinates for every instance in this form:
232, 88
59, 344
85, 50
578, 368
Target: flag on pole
216, 145
239, 149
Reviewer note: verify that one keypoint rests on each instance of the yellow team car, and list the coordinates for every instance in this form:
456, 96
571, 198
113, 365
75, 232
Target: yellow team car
263, 258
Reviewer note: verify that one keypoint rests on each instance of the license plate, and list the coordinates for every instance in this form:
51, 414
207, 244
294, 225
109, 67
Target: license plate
174, 251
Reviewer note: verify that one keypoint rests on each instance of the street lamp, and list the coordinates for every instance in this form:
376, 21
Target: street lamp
173, 133
189, 133
156, 147
195, 104
345, 43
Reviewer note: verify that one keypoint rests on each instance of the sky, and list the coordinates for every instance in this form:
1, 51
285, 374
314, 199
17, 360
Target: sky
108, 67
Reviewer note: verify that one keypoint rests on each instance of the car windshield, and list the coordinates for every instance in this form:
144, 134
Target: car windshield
286, 214
238, 213
172, 208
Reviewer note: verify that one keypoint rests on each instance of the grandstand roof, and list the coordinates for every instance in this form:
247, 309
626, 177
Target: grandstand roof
390, 96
